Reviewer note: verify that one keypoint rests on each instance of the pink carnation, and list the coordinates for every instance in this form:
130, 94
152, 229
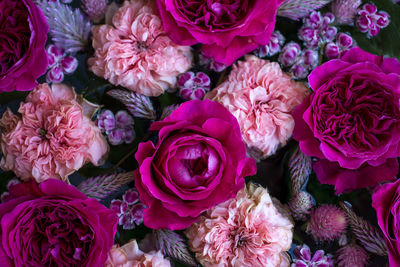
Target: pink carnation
53, 138
129, 255
262, 99
136, 53
245, 231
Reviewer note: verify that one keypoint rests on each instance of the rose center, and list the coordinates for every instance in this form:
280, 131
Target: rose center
42, 132
141, 46
196, 166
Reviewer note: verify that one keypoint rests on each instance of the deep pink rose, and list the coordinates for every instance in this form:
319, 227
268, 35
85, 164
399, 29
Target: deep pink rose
198, 161
53, 224
386, 202
228, 29
23, 31
351, 122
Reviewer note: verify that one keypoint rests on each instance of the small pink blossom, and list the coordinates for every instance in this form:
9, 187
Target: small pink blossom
118, 127
261, 97
59, 64
129, 255
53, 137
249, 230
370, 20
135, 51
129, 210
193, 86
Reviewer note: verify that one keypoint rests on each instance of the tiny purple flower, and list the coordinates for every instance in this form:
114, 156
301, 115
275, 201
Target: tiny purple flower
193, 86
299, 71
273, 47
210, 63
123, 119
310, 58
116, 136
304, 259
118, 128
59, 64
130, 197
106, 121
129, 210
371, 21
289, 54
344, 41
332, 50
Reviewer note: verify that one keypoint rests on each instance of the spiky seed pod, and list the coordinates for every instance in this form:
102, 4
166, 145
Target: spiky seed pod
345, 10
173, 245
367, 234
351, 255
139, 106
327, 223
95, 9
296, 9
301, 205
100, 187
300, 167
68, 28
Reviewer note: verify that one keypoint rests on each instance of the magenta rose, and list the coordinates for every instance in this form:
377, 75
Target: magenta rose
228, 29
386, 202
23, 31
198, 161
53, 224
351, 122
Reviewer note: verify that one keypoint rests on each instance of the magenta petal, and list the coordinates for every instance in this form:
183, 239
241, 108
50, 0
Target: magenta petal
346, 180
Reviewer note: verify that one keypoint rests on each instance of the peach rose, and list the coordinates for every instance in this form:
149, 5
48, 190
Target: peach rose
249, 230
53, 137
129, 255
136, 53
262, 99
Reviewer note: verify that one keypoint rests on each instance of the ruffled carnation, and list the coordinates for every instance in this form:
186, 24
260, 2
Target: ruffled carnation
245, 231
129, 255
53, 138
135, 52
262, 98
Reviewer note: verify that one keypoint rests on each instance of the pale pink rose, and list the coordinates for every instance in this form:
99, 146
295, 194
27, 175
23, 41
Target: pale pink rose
53, 137
129, 255
262, 98
248, 230
135, 51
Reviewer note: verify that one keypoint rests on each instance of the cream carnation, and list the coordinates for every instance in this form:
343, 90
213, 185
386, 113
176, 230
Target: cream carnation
262, 99
53, 137
245, 231
129, 255
136, 53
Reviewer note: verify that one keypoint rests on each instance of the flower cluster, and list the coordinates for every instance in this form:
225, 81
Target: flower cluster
371, 21
304, 259
59, 64
299, 61
317, 29
129, 209
118, 127
273, 47
343, 43
193, 86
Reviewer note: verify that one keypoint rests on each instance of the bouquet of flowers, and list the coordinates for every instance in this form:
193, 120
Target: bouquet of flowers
231, 133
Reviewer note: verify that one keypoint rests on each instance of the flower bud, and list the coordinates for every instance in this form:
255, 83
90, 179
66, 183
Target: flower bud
331, 50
